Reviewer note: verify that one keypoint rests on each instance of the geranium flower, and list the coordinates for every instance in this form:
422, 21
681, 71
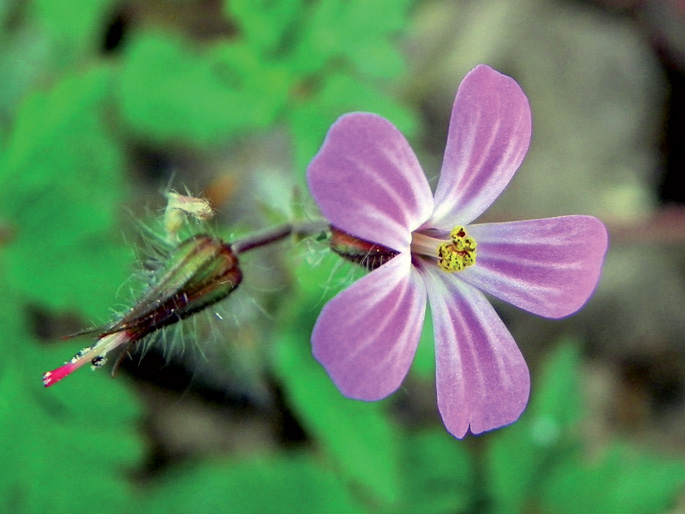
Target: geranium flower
369, 185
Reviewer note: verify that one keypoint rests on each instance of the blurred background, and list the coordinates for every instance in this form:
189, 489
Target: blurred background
105, 104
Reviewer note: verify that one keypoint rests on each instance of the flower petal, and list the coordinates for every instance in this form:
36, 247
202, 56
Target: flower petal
366, 336
482, 379
549, 266
488, 138
368, 182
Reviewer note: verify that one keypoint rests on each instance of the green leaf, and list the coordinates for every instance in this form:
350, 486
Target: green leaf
369, 45
521, 456
81, 274
357, 435
437, 474
557, 401
171, 91
347, 93
269, 485
264, 23
4, 11
61, 189
59, 136
348, 30
378, 17
66, 449
318, 40
624, 481
378, 59
25, 56
74, 26
266, 86
308, 124
537, 464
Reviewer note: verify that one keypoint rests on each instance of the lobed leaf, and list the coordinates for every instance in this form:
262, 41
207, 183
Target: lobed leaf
170, 91
60, 191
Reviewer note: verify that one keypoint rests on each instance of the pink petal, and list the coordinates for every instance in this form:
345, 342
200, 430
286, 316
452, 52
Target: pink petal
488, 138
549, 266
368, 182
482, 378
366, 336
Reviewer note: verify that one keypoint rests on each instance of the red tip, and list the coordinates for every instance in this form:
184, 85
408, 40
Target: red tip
54, 376
93, 354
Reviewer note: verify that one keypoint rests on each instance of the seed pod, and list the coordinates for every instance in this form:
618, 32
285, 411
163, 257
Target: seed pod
200, 272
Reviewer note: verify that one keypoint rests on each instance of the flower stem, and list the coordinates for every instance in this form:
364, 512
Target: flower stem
279, 233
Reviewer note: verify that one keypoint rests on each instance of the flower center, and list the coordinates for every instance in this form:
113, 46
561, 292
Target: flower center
458, 253
453, 255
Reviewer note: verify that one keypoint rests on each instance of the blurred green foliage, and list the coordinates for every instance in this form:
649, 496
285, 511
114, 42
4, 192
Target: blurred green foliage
67, 113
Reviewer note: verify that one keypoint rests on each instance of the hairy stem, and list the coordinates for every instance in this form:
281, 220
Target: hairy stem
277, 234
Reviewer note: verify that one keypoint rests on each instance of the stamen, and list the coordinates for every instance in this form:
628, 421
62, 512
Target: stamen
458, 253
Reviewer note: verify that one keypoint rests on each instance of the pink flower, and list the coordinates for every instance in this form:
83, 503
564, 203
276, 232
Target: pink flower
369, 184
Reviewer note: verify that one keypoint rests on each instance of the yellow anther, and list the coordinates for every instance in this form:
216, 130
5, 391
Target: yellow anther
459, 253
458, 232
